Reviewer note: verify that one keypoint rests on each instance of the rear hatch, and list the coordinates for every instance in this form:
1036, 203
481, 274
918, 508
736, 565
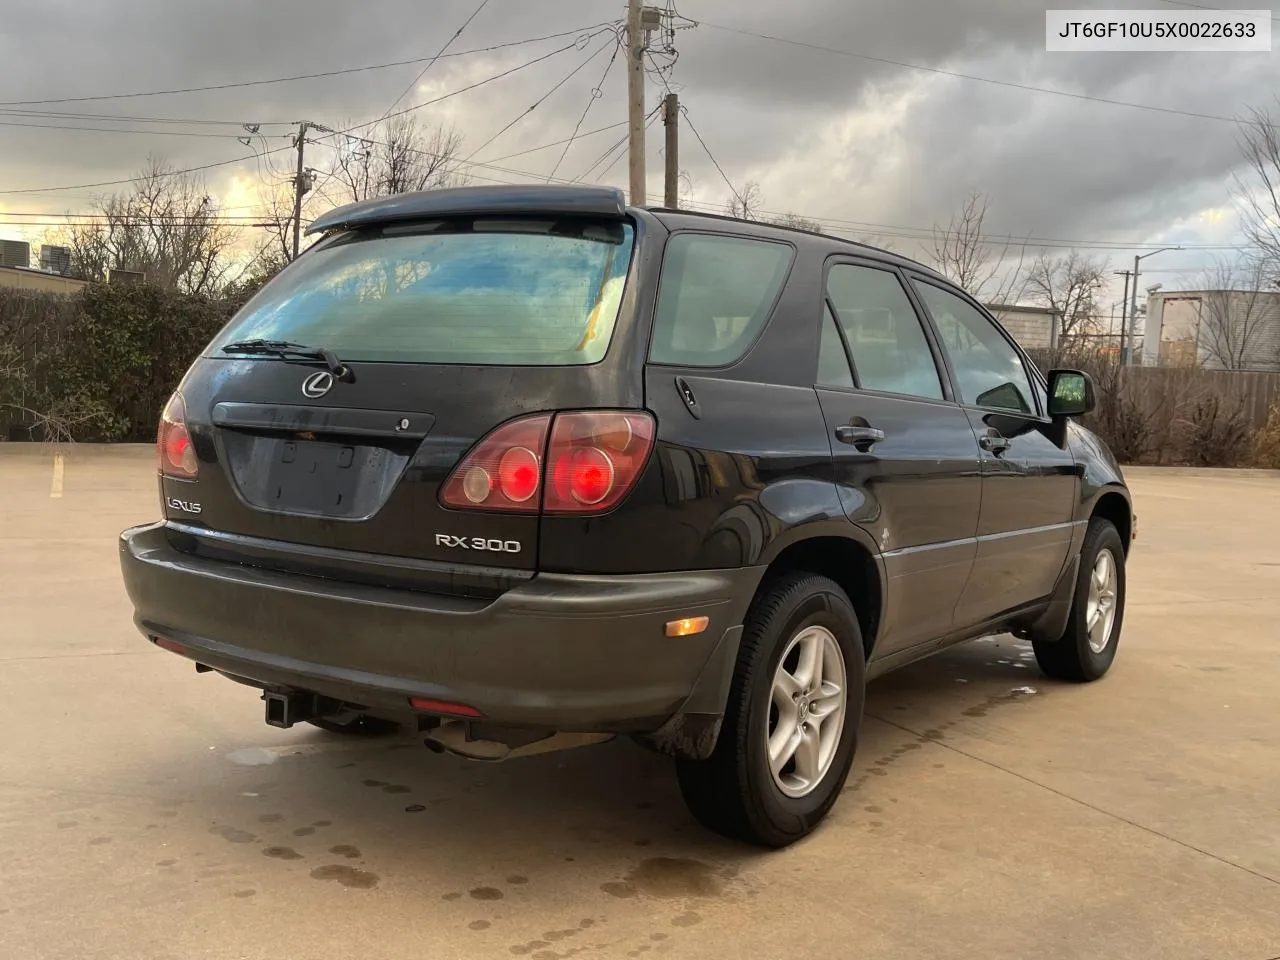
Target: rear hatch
447, 328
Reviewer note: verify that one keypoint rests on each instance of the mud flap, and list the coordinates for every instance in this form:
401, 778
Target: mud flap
1052, 623
692, 731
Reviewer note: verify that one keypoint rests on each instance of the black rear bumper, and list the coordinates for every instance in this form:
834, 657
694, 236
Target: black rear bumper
567, 652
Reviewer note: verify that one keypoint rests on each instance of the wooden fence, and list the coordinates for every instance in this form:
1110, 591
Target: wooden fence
1153, 387
1178, 415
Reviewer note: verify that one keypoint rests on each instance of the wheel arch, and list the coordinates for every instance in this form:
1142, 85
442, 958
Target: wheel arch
1113, 505
847, 561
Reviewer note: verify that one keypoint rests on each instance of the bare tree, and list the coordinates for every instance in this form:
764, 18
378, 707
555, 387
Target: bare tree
1069, 286
1258, 192
686, 190
1233, 315
275, 201
165, 226
745, 204
399, 156
989, 269
796, 222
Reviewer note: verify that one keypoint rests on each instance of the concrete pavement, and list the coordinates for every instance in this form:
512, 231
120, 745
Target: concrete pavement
147, 812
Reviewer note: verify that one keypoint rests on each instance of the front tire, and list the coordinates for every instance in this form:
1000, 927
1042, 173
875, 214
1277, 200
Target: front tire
1088, 645
791, 721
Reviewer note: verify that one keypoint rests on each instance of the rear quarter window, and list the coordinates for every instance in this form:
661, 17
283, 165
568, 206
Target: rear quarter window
715, 295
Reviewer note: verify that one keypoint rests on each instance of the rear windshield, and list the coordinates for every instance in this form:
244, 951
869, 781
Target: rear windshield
516, 292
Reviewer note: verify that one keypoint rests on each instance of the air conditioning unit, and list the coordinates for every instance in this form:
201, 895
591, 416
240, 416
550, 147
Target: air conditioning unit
15, 253
54, 259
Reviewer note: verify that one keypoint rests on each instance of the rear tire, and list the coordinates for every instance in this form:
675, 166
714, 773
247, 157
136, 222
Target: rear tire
355, 725
1088, 645
798, 685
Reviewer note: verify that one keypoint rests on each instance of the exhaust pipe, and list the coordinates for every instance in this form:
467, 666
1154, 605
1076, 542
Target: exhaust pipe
466, 740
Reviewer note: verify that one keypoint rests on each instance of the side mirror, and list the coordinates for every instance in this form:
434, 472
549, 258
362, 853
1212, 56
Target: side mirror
1071, 393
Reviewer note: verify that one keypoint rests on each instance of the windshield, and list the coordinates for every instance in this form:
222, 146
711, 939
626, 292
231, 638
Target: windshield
473, 292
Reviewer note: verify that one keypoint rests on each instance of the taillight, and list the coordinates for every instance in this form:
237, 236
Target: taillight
504, 472
173, 442
592, 459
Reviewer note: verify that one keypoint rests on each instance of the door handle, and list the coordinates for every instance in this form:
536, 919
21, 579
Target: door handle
994, 443
858, 436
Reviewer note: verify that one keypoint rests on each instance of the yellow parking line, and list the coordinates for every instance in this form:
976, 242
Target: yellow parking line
55, 486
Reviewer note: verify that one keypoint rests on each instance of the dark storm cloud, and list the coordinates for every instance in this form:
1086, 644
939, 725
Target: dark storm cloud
826, 135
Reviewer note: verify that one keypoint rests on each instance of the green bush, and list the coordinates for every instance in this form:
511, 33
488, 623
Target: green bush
99, 365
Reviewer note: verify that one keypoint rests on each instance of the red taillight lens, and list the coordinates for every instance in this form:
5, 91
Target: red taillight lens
595, 458
518, 474
584, 475
504, 471
173, 442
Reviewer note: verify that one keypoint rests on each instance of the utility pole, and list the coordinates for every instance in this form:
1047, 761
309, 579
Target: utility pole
636, 42
299, 187
303, 180
1133, 313
1124, 312
1127, 356
671, 118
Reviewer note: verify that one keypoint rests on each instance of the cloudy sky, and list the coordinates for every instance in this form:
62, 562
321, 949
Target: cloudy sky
859, 143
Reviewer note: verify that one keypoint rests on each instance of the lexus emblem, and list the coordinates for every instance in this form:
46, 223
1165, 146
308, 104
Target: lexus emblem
318, 384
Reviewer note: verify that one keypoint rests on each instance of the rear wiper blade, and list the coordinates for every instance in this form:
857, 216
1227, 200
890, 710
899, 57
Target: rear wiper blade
289, 349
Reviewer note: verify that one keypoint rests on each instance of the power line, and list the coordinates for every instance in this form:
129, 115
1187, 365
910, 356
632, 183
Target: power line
103, 223
556, 143
483, 164
609, 152
541, 100
596, 94
856, 227
576, 45
153, 216
926, 233
490, 165
685, 110
653, 115
900, 231
114, 118
1201, 6
601, 159
116, 183
301, 76
156, 133
430, 63
970, 76
266, 153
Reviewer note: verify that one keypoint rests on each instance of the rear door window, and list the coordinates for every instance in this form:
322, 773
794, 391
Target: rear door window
519, 292
715, 296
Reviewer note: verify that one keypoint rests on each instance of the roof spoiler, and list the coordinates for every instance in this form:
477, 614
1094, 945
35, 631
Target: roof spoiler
514, 199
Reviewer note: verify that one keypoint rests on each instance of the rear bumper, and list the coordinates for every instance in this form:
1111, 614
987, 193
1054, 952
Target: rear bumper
567, 652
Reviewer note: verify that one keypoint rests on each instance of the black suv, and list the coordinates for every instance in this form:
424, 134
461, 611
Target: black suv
525, 467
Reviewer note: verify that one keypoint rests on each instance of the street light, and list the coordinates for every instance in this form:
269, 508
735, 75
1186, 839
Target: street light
1126, 348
